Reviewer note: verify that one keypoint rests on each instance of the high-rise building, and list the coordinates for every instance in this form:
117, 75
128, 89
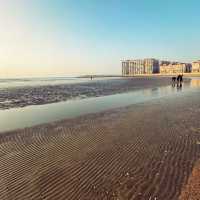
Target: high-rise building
140, 66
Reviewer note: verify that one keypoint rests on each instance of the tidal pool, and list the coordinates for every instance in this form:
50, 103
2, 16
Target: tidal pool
38, 114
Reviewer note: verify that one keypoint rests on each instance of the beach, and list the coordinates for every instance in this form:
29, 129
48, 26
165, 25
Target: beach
99, 100
145, 151
191, 189
23, 96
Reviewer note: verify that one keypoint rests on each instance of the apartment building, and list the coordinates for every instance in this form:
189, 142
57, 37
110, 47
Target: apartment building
140, 66
196, 66
175, 68
153, 66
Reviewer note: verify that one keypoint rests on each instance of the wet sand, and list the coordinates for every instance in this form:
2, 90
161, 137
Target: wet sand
145, 151
38, 95
192, 190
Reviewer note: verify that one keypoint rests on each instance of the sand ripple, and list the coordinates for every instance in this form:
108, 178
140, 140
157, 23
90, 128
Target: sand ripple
143, 152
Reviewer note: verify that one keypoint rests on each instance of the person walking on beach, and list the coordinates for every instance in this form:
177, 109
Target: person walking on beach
177, 80
173, 81
180, 80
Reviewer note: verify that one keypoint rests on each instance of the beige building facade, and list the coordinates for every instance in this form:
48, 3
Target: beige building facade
196, 67
175, 68
140, 66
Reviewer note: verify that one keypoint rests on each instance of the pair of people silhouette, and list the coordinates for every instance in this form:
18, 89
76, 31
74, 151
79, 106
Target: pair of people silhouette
177, 80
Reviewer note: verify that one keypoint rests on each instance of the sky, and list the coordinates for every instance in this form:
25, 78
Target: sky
74, 37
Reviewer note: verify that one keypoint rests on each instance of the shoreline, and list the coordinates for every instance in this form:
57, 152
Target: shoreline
40, 95
138, 152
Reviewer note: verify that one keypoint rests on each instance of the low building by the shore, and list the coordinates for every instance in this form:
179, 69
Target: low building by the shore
196, 67
140, 66
175, 68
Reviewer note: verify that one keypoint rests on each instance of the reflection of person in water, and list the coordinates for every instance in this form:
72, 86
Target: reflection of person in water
179, 88
91, 77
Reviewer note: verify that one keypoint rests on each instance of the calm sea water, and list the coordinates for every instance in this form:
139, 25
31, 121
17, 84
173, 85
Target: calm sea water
33, 115
8, 83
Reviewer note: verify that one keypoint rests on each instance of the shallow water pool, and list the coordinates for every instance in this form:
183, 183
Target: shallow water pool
33, 115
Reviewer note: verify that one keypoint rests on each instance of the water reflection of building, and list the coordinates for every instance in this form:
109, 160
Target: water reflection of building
175, 68
140, 66
195, 82
196, 66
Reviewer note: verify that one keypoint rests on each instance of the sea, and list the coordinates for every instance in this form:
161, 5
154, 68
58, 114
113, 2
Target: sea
22, 82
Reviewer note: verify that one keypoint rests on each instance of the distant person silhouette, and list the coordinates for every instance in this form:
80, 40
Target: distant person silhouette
173, 81
179, 80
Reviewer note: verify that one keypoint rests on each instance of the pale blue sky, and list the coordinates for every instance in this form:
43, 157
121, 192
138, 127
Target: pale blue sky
73, 37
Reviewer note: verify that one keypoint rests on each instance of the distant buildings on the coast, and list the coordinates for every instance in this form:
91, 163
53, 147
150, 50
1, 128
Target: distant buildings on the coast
175, 68
145, 66
196, 67
154, 66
